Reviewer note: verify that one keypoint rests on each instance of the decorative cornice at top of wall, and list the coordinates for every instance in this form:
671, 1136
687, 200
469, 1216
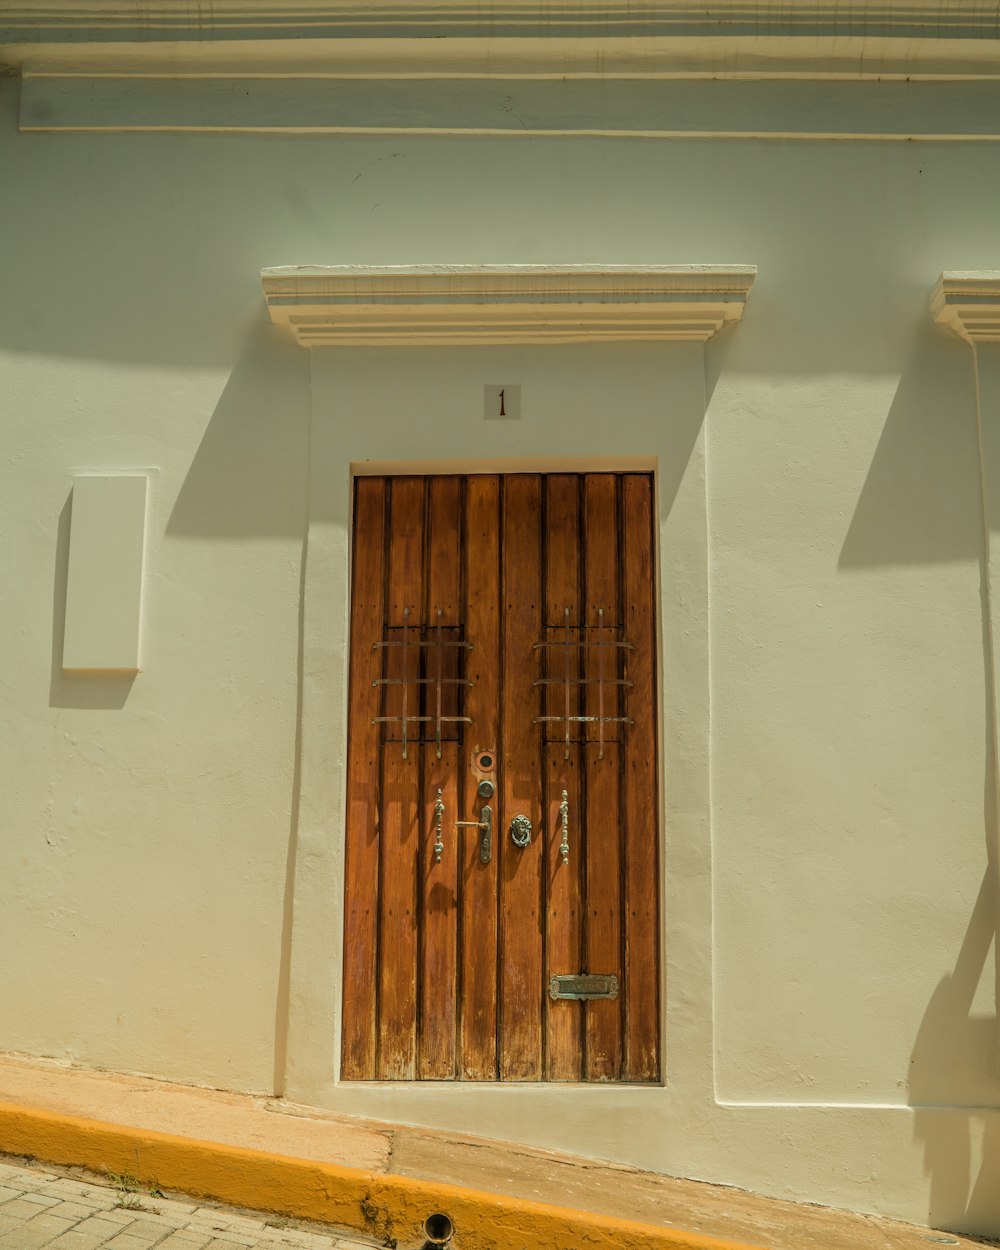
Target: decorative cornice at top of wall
482, 38
967, 302
226, 18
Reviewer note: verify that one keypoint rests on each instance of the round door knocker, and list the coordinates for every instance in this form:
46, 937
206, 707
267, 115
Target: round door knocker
520, 831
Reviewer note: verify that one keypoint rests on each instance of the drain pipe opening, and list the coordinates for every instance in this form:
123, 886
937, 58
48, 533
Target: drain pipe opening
438, 1229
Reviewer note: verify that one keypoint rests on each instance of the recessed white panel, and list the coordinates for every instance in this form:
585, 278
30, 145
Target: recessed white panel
104, 580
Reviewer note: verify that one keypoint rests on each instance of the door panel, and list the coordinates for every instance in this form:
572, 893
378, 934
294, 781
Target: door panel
401, 775
521, 787
480, 925
361, 903
439, 878
641, 986
501, 638
564, 880
602, 817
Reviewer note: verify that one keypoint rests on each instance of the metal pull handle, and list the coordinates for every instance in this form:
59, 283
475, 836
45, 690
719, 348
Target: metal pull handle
438, 819
485, 827
564, 818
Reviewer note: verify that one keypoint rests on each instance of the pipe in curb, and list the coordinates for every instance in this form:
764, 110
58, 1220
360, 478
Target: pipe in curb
438, 1229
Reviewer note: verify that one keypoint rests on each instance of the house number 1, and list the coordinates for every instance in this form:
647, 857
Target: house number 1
502, 402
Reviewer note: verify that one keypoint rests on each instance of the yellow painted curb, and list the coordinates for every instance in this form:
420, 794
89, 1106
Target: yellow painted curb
391, 1208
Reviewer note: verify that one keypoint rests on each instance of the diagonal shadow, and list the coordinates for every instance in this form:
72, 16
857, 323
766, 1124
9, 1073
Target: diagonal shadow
954, 1083
249, 480
248, 476
926, 459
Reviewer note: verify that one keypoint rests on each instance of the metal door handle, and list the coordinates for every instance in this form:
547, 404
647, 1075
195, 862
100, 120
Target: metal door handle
485, 826
564, 818
438, 818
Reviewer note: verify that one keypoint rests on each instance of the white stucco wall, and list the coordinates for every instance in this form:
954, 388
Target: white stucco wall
145, 822
831, 994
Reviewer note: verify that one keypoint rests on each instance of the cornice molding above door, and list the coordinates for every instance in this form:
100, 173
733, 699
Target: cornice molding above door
346, 305
967, 302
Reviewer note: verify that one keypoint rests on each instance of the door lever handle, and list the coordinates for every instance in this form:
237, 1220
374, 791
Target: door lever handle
485, 826
564, 820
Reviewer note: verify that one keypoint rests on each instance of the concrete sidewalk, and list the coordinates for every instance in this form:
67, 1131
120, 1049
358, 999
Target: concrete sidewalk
381, 1180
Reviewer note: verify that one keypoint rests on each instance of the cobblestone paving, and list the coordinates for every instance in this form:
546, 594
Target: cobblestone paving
48, 1208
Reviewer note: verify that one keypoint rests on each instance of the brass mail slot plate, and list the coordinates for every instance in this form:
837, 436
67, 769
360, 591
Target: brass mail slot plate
584, 985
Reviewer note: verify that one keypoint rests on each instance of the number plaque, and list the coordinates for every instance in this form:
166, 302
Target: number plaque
502, 401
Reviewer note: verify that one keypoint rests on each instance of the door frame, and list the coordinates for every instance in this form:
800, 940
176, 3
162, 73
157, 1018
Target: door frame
362, 422
504, 467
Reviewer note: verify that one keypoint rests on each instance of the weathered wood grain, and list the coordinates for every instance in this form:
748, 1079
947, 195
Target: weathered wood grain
603, 938
479, 881
563, 945
362, 848
401, 805
439, 881
641, 980
521, 869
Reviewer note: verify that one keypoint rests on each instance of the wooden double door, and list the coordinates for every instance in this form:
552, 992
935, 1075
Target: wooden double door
502, 676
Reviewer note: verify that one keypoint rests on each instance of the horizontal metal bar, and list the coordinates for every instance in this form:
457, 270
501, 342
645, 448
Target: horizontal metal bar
422, 681
425, 642
582, 642
582, 720
576, 740
417, 742
396, 720
580, 681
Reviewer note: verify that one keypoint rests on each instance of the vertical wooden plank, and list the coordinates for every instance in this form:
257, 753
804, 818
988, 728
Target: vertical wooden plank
521, 869
439, 881
641, 979
479, 881
362, 849
401, 792
563, 947
603, 939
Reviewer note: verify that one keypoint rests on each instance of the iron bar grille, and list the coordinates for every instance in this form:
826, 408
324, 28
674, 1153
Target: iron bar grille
422, 684
584, 690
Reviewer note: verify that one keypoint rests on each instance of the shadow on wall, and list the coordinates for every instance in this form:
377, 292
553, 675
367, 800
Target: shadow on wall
77, 689
919, 505
926, 458
955, 1055
248, 478
954, 1084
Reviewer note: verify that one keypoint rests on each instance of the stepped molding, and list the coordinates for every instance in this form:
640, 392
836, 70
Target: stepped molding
967, 302
496, 304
